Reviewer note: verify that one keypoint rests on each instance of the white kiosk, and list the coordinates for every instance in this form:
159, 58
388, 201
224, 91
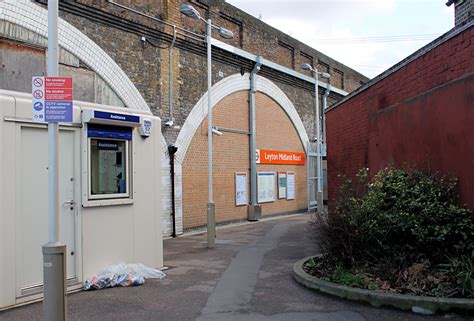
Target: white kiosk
109, 188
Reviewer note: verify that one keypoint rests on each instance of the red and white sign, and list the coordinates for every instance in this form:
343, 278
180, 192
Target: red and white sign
279, 157
52, 99
58, 88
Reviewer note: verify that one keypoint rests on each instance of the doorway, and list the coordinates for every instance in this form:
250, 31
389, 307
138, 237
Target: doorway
31, 217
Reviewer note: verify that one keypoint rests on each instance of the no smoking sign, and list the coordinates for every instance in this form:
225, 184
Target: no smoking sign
38, 81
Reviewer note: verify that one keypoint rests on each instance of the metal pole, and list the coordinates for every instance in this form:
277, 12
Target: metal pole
53, 193
308, 174
211, 211
254, 210
319, 193
53, 71
54, 253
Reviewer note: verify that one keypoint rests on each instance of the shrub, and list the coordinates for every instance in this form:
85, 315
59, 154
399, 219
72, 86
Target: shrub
401, 217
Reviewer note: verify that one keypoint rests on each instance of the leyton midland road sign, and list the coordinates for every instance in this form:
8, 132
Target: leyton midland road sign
52, 99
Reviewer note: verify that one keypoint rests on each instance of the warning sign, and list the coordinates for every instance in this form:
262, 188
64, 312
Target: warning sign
52, 99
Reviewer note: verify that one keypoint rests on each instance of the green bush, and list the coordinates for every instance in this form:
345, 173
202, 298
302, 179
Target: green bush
401, 217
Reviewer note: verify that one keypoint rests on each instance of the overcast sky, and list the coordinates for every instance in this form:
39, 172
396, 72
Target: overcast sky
362, 34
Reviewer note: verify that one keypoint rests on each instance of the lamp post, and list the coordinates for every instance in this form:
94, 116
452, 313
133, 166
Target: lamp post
319, 159
54, 252
190, 11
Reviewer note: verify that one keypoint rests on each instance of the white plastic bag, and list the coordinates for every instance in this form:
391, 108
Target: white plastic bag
145, 271
122, 275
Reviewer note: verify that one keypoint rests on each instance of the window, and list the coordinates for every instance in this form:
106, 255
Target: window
109, 169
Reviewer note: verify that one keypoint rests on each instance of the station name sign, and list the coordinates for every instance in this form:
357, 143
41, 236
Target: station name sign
279, 157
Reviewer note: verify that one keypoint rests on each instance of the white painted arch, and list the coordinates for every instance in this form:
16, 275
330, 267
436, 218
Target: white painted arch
226, 87
33, 17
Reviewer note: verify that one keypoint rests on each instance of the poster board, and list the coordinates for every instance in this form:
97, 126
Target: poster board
241, 189
290, 185
265, 187
281, 185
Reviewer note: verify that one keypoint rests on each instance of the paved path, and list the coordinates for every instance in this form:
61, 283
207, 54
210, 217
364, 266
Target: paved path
247, 277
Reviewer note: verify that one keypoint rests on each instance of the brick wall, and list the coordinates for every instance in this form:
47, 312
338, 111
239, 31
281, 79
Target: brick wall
142, 66
147, 65
276, 132
463, 12
354, 128
231, 154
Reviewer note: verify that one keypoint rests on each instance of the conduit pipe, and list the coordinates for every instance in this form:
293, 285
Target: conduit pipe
172, 151
324, 106
170, 121
254, 210
323, 121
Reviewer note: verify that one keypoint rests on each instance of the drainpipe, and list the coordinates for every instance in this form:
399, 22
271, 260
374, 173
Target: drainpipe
324, 106
325, 96
170, 120
172, 151
254, 209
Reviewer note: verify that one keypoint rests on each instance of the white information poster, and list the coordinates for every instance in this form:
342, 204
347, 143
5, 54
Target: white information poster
266, 187
240, 189
281, 185
290, 186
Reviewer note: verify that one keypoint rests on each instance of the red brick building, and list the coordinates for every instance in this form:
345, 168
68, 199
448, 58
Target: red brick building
420, 112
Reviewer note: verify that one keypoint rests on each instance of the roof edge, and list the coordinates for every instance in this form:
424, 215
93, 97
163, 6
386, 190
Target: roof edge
417, 54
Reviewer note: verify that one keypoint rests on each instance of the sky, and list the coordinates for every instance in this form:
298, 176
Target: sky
362, 34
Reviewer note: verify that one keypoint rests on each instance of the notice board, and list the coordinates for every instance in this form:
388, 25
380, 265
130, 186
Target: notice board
240, 189
281, 185
265, 187
290, 186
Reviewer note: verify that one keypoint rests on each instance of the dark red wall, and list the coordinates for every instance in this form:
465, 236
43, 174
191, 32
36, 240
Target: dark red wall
423, 114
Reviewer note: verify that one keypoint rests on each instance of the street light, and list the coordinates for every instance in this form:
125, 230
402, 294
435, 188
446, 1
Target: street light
190, 11
319, 159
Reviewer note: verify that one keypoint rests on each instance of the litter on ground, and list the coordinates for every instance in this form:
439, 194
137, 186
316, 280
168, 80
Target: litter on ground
122, 275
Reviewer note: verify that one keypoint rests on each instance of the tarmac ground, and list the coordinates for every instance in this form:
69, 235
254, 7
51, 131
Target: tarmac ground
247, 276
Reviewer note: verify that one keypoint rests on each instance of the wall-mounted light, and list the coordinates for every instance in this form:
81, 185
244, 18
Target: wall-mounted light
216, 131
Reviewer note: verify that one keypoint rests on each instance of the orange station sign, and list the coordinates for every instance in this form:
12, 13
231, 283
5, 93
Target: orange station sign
279, 157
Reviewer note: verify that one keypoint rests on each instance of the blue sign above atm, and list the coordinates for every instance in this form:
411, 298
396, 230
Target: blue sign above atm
108, 118
116, 117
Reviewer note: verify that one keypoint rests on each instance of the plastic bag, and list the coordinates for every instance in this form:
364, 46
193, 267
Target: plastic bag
122, 275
